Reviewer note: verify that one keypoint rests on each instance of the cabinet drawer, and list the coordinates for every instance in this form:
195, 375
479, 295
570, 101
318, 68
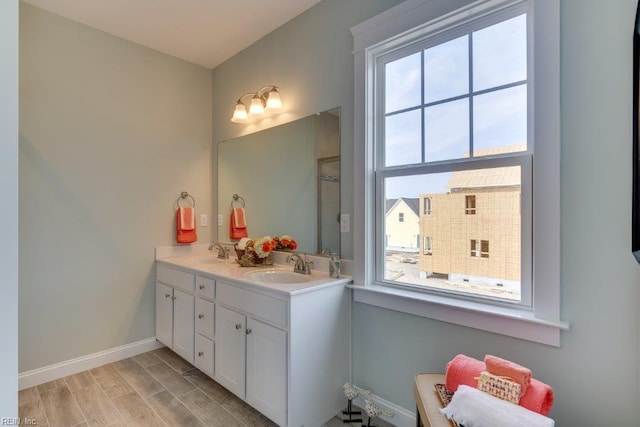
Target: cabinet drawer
205, 288
271, 309
176, 278
204, 318
204, 355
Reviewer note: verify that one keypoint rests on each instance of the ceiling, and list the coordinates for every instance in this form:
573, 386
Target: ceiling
205, 32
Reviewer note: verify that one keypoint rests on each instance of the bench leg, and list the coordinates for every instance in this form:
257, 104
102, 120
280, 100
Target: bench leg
418, 420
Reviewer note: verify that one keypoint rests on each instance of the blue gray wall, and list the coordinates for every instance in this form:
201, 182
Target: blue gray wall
110, 133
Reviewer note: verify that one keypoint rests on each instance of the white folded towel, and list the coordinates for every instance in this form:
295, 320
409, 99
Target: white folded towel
474, 408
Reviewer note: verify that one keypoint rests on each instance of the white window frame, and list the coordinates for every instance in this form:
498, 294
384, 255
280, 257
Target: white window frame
540, 322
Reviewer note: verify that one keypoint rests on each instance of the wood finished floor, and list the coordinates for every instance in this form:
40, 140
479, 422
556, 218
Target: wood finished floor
157, 388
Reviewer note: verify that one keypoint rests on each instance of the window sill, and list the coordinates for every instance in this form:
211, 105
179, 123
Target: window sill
501, 320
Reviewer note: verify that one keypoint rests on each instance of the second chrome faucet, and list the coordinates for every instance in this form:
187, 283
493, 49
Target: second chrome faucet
301, 265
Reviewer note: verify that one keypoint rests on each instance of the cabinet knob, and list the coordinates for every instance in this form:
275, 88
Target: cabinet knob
200, 316
201, 287
200, 354
167, 295
238, 325
173, 298
248, 331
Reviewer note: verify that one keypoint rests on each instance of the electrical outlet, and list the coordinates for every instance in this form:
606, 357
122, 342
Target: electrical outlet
204, 220
220, 219
345, 223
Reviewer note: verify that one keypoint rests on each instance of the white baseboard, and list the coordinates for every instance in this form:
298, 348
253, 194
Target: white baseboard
69, 367
402, 417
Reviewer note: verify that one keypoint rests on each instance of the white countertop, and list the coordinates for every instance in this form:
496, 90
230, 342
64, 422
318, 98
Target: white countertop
209, 265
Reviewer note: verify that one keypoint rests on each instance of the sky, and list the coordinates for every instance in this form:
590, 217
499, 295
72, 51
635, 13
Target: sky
499, 117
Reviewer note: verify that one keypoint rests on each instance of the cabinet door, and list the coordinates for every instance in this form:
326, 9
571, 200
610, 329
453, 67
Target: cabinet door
267, 370
183, 324
230, 349
164, 314
205, 349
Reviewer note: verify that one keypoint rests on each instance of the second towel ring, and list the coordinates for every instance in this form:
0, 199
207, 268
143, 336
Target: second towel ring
237, 199
183, 196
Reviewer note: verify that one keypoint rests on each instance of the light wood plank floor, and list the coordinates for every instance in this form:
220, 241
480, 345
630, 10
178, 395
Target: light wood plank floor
157, 388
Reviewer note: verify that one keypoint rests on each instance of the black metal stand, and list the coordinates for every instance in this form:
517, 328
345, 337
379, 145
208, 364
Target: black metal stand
350, 413
368, 423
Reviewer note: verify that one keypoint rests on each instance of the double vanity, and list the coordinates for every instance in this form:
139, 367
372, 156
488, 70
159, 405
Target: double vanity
277, 339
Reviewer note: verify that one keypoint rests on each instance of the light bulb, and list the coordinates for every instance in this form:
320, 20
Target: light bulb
240, 114
256, 108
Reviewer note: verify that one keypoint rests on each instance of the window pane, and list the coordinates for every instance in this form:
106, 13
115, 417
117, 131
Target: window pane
500, 121
446, 130
403, 137
402, 83
472, 254
446, 70
500, 54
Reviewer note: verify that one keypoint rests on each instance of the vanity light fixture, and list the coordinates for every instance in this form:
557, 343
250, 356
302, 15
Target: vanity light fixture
264, 100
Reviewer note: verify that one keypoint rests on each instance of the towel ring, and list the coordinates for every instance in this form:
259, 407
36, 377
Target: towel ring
183, 196
237, 199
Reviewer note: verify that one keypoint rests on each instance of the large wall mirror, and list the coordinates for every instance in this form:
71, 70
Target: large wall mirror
289, 179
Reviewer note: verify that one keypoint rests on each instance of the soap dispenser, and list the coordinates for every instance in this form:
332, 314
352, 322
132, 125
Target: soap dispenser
334, 266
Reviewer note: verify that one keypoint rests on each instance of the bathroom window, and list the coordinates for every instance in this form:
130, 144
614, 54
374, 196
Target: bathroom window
452, 119
446, 117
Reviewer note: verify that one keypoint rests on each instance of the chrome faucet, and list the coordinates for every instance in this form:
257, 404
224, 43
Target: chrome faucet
223, 253
301, 265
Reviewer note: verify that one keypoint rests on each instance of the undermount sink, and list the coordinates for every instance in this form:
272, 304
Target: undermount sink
277, 276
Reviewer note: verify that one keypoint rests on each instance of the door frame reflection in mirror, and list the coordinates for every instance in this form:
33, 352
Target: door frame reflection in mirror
276, 171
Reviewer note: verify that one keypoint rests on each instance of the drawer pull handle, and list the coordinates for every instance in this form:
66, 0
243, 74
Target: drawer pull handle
248, 331
200, 316
200, 354
238, 325
201, 287
167, 295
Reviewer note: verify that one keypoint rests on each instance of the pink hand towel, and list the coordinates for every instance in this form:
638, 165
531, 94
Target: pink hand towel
506, 368
238, 224
462, 370
186, 225
538, 398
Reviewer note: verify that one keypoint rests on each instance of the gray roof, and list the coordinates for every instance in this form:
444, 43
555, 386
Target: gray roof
413, 203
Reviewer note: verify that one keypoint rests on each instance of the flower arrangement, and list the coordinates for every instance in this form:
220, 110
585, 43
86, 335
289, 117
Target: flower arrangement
263, 246
286, 243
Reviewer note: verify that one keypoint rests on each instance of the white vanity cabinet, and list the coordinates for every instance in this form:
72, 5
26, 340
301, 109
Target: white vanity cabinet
175, 310
282, 348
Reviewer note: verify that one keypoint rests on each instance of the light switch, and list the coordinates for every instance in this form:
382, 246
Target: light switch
204, 221
345, 223
220, 219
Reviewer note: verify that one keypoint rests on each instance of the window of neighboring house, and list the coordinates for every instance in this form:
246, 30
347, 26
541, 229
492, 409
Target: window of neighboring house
427, 206
480, 248
426, 245
470, 205
401, 217
448, 108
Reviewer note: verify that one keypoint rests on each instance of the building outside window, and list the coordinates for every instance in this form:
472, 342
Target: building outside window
427, 206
